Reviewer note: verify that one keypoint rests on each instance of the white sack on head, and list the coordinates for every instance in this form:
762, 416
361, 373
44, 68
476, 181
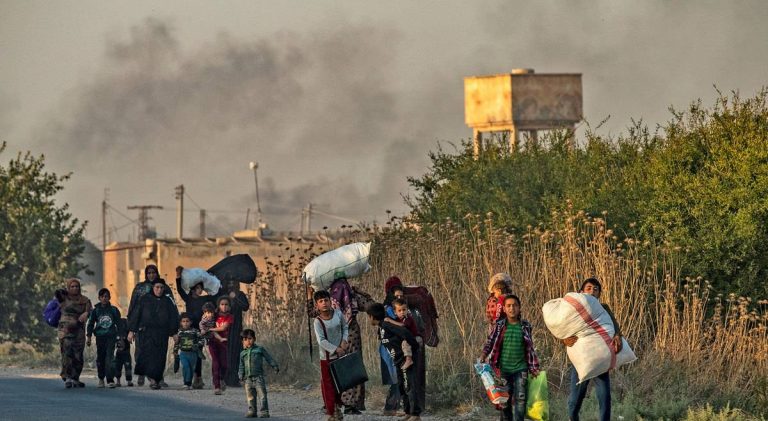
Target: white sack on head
581, 315
351, 259
192, 277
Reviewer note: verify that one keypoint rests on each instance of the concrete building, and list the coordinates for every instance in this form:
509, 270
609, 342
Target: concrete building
124, 262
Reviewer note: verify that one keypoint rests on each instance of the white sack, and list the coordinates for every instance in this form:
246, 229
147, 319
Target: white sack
591, 355
352, 259
191, 277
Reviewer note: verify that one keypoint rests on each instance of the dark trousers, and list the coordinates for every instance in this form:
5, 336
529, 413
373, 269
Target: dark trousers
579, 391
408, 390
199, 365
123, 359
392, 403
514, 410
105, 357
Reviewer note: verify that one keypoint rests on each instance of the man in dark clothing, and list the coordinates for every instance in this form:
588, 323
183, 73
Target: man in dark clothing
392, 337
194, 302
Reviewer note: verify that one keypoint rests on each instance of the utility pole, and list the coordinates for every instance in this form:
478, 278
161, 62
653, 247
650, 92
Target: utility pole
104, 236
144, 231
180, 211
202, 223
255, 166
104, 222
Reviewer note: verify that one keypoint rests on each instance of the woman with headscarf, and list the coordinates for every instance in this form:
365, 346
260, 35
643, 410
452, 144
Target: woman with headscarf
151, 274
75, 309
238, 302
349, 301
155, 318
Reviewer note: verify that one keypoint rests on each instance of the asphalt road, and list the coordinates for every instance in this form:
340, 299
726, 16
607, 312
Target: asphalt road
41, 395
25, 398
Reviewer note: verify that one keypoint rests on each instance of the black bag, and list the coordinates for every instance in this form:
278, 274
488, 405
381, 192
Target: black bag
239, 267
348, 371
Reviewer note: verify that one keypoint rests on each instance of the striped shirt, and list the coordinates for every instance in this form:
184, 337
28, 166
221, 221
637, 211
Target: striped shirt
512, 358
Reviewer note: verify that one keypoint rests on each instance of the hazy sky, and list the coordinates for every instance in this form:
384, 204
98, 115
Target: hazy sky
337, 101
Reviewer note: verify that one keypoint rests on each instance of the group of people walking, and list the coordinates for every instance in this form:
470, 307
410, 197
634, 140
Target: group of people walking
510, 351
216, 320
152, 319
337, 332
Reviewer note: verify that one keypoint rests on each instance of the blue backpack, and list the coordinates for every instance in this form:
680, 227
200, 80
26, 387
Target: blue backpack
52, 313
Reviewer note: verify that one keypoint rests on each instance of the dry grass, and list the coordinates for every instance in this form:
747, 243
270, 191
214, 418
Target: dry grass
665, 318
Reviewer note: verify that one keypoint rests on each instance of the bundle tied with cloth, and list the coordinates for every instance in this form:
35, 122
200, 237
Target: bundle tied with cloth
583, 316
348, 261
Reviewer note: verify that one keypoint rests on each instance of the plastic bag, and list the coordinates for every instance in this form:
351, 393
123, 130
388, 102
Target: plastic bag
351, 259
52, 313
192, 277
497, 392
537, 398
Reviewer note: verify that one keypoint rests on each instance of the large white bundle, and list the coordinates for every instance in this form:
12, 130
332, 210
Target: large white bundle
193, 276
351, 259
581, 315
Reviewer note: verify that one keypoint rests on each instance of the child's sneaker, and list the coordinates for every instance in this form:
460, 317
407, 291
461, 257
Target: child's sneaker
187, 387
217, 391
111, 385
68, 383
250, 414
264, 414
101, 384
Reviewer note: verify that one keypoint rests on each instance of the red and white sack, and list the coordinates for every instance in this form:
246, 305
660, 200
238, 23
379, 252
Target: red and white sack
581, 315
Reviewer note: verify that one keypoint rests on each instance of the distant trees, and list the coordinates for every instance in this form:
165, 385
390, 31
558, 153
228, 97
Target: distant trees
700, 182
40, 243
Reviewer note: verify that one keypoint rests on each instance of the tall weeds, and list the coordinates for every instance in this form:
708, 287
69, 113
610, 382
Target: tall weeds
665, 318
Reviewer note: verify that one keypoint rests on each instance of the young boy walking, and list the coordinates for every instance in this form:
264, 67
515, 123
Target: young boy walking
392, 337
510, 351
332, 333
102, 322
123, 354
251, 373
187, 347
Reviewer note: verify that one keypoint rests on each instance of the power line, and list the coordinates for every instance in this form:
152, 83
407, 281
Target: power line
122, 214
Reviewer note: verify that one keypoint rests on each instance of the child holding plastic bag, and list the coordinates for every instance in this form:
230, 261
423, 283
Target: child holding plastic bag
511, 353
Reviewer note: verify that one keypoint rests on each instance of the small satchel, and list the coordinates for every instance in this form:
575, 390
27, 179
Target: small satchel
347, 371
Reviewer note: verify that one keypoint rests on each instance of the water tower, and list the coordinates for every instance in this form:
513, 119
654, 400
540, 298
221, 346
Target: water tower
521, 101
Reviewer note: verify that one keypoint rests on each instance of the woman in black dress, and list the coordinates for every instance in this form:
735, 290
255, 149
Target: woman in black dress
157, 319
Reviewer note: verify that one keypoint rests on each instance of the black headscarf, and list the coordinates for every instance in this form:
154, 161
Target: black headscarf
148, 268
